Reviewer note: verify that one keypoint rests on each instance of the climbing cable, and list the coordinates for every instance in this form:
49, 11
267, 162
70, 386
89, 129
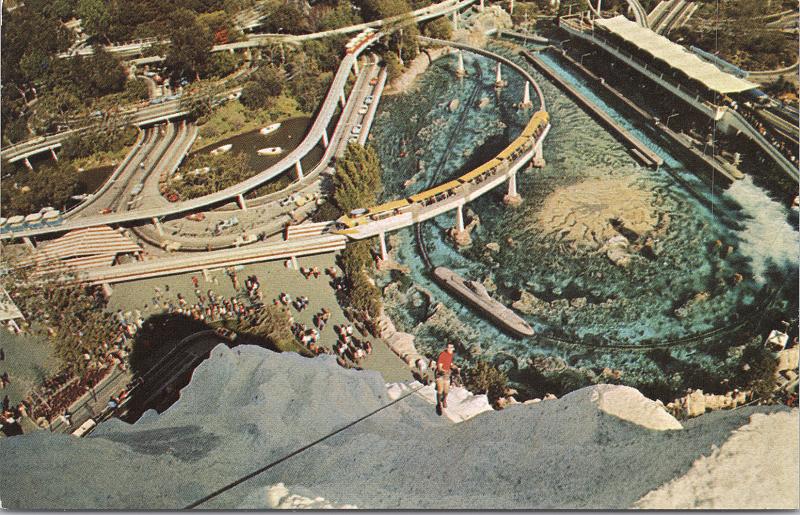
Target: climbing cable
294, 453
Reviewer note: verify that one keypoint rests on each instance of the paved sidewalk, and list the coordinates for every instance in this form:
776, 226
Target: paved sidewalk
274, 278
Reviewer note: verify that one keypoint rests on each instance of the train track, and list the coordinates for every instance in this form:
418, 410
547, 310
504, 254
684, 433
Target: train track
768, 295
433, 179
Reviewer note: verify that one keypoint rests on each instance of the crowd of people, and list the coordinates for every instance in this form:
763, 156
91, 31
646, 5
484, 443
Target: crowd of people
52, 399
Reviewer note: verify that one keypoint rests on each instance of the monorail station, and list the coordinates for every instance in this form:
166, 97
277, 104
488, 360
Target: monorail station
727, 99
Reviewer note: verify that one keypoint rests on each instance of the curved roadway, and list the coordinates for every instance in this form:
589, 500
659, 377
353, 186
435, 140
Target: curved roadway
315, 134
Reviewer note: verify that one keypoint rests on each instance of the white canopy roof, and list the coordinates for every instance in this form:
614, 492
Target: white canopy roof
675, 55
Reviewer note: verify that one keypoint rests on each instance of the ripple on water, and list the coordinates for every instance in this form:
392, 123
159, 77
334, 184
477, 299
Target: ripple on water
689, 287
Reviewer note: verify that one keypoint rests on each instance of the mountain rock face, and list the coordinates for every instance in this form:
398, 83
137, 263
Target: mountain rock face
602, 447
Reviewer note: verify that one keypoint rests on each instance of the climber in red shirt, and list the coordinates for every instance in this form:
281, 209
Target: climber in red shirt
444, 364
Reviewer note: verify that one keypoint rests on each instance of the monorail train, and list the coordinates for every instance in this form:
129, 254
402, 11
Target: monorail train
501, 162
360, 40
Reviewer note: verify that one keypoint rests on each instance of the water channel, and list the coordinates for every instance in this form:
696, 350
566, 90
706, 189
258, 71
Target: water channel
714, 261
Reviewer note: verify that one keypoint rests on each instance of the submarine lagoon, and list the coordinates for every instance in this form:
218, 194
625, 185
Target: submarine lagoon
643, 277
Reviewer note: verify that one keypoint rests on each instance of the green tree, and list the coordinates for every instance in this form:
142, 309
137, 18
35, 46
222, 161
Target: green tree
136, 89
222, 64
189, 48
440, 28
53, 107
95, 18
485, 378
49, 184
357, 182
287, 19
261, 90
333, 17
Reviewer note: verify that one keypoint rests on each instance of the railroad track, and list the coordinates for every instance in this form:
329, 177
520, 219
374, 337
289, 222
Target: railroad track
433, 179
768, 295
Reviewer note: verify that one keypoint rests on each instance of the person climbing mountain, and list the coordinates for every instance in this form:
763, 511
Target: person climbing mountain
444, 366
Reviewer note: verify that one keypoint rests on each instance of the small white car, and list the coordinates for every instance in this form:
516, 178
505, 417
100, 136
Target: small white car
356, 129
363, 110
368, 99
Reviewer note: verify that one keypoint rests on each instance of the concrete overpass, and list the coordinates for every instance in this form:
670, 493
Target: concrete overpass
215, 259
317, 133
133, 48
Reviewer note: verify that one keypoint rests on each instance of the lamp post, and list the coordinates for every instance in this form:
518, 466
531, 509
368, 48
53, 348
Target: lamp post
584, 55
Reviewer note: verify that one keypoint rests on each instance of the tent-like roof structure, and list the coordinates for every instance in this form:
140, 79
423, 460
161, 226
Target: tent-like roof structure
675, 56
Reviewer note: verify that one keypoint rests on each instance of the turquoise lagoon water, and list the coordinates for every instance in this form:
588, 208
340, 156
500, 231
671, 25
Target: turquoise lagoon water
626, 308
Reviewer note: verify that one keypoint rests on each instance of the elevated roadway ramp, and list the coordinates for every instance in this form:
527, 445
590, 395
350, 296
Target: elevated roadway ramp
216, 259
334, 95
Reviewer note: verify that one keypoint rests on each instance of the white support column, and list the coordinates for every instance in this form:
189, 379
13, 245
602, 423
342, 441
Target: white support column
455, 20
159, 228
53, 154
28, 242
460, 218
231, 50
299, 168
481, 7
294, 263
325, 141
498, 81
107, 290
512, 198
206, 277
342, 99
538, 159
511, 10
28, 164
241, 202
460, 70
384, 253
355, 66
526, 97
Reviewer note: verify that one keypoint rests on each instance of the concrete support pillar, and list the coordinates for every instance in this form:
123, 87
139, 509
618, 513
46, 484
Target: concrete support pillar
107, 290
512, 198
28, 164
460, 70
299, 168
538, 158
158, 225
511, 8
29, 243
498, 81
342, 99
325, 141
459, 233
294, 263
526, 97
230, 50
241, 202
455, 20
481, 6
53, 154
206, 277
384, 253
355, 66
